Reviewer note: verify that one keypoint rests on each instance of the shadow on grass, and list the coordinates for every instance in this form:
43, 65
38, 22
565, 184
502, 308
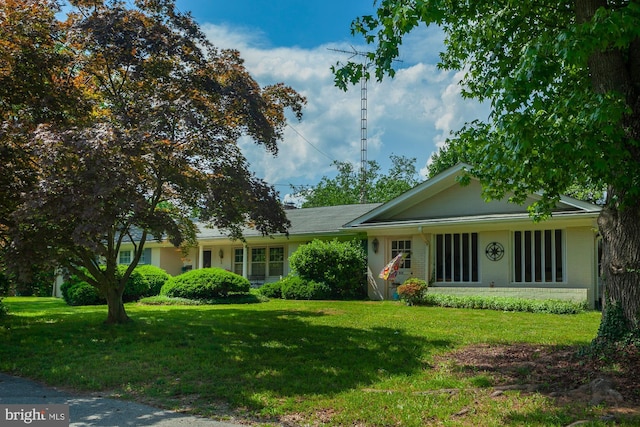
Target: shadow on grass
244, 357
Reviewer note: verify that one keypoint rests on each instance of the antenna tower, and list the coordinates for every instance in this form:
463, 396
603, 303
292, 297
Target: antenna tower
363, 119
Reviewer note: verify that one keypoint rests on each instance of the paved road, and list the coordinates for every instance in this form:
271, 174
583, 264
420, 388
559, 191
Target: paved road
96, 411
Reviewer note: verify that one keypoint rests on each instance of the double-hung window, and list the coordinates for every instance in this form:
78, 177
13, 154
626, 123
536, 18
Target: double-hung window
276, 261
538, 256
267, 261
457, 257
125, 257
238, 259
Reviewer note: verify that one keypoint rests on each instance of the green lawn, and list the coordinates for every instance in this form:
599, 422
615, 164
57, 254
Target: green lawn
339, 363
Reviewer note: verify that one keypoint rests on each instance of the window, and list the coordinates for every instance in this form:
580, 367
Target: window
259, 262
538, 256
146, 257
125, 257
402, 246
457, 257
267, 261
276, 261
238, 258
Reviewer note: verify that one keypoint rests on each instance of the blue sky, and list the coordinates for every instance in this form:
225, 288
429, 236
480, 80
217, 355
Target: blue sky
303, 23
290, 41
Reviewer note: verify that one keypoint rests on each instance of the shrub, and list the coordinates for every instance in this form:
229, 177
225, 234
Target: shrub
67, 288
412, 291
136, 286
83, 293
155, 277
271, 290
295, 287
505, 304
340, 265
205, 284
165, 300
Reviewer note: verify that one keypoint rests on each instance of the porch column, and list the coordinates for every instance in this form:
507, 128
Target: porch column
245, 261
200, 256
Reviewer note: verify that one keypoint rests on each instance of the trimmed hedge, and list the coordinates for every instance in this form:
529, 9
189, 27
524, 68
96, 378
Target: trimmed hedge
271, 290
205, 284
505, 304
143, 281
155, 277
295, 287
137, 286
75, 291
83, 293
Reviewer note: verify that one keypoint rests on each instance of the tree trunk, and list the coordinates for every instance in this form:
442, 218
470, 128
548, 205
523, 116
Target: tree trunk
614, 70
116, 312
620, 230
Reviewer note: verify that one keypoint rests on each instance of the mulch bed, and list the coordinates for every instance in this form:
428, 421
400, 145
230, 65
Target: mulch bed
550, 370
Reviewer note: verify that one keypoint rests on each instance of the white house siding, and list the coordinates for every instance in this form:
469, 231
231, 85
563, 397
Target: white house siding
579, 259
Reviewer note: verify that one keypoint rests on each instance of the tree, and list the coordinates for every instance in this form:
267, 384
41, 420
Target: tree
33, 91
563, 79
457, 151
164, 110
345, 188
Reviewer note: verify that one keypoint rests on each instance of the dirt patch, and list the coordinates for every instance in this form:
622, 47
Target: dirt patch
558, 372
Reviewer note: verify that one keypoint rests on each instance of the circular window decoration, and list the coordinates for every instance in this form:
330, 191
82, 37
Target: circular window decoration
494, 251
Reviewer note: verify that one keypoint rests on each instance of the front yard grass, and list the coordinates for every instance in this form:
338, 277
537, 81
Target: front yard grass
300, 362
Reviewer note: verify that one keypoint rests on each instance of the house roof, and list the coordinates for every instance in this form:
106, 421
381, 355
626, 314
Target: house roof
326, 220
442, 201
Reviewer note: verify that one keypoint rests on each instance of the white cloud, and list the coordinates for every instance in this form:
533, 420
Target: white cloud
411, 114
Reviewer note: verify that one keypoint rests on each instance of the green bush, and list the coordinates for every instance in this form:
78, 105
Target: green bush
295, 287
205, 284
136, 287
83, 294
155, 277
71, 295
271, 290
341, 265
505, 304
412, 291
165, 300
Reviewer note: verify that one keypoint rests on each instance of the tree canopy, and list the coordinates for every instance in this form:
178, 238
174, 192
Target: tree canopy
345, 188
563, 81
125, 119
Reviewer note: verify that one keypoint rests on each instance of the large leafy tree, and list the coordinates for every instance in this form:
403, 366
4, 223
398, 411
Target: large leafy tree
33, 91
563, 80
346, 187
154, 144
456, 151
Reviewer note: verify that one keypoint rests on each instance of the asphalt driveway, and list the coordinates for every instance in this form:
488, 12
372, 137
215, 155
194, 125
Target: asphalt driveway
96, 411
